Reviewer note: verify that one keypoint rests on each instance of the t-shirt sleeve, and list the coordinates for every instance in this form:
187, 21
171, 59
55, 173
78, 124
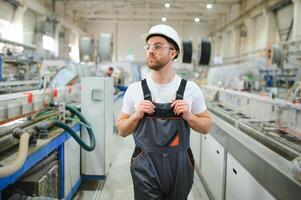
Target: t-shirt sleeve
128, 102
198, 100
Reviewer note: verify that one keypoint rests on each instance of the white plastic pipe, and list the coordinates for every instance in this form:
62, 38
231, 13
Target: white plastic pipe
21, 157
296, 168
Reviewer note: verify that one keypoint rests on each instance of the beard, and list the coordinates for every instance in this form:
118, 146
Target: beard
156, 64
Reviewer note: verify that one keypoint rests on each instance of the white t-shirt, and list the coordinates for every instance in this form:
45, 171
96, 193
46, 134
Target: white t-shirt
164, 93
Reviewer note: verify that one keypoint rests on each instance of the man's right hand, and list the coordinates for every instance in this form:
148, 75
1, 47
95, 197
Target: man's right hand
144, 106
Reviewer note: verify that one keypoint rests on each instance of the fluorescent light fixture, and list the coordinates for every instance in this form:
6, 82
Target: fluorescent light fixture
209, 5
197, 19
167, 5
163, 19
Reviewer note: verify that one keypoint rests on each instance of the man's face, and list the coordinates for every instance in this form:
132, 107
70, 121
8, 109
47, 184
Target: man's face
158, 52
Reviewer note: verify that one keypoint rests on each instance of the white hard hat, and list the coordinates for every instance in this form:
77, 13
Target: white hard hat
164, 30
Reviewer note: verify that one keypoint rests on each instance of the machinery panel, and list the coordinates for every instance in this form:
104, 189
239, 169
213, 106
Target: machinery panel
195, 143
97, 107
241, 184
72, 164
213, 165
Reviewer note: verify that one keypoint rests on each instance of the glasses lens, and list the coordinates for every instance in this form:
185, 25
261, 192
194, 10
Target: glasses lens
156, 47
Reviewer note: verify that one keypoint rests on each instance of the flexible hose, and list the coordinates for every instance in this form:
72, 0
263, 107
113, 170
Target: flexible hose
73, 110
62, 125
76, 136
21, 157
78, 121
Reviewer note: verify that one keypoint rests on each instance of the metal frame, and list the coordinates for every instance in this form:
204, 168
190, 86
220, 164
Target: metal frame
1, 59
271, 170
55, 144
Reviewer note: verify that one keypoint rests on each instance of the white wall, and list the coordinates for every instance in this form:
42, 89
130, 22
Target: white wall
284, 17
127, 35
6, 19
260, 30
6, 11
29, 26
129, 40
260, 24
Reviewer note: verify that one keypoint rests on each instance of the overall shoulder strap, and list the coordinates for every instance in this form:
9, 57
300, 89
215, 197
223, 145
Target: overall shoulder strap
180, 92
146, 91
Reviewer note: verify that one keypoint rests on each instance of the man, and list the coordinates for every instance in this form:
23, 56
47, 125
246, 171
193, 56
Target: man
159, 111
109, 71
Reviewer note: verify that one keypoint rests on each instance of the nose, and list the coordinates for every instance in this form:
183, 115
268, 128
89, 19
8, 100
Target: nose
150, 52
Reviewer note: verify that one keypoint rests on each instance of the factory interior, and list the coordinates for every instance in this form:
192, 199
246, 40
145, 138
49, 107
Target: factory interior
66, 65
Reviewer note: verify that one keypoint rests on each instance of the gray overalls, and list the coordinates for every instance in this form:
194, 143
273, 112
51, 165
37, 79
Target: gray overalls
162, 163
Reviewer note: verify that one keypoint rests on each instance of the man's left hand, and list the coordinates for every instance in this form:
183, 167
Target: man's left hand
181, 107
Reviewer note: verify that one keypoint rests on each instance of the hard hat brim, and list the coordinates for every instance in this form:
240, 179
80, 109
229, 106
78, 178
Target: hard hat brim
146, 36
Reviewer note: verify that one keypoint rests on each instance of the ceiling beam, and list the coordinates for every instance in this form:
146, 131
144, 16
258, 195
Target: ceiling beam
157, 11
99, 18
142, 20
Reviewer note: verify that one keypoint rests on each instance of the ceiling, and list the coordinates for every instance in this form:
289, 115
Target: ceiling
148, 10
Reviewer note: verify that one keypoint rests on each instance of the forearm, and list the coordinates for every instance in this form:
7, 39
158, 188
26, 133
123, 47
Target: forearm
127, 126
199, 124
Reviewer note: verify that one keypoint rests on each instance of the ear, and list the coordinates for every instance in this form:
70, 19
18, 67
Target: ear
173, 53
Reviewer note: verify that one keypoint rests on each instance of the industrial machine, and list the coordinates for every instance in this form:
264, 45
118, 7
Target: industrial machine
253, 149
97, 104
19, 67
29, 135
37, 156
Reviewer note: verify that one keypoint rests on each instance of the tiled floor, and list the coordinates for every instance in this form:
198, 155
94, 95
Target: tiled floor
118, 185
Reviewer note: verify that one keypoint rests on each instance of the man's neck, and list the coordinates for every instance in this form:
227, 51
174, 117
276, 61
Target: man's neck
163, 76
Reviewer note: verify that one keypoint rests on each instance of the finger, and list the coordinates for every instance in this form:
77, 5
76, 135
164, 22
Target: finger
174, 103
149, 103
178, 105
181, 111
179, 102
182, 103
176, 109
145, 110
149, 109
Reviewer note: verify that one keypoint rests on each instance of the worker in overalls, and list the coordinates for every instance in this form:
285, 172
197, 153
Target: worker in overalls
159, 111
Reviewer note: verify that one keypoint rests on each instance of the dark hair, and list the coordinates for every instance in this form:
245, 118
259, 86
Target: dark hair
169, 40
111, 68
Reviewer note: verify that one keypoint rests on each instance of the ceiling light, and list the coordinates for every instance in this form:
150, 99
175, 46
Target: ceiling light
209, 5
163, 19
167, 5
197, 19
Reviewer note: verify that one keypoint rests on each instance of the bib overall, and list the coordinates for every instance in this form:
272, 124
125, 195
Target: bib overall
162, 164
